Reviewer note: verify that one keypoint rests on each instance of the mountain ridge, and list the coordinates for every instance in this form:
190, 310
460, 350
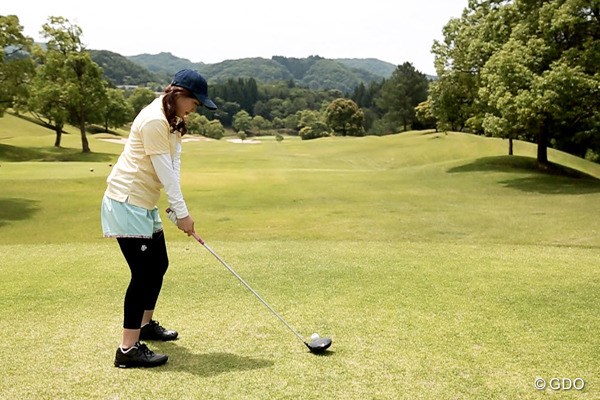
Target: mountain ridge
314, 72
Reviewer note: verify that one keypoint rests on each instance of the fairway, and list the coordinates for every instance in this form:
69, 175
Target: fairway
441, 269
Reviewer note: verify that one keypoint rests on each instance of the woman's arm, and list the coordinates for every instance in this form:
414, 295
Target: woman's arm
168, 174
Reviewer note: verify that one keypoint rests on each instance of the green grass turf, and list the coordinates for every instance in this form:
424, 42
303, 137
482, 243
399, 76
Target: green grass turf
441, 269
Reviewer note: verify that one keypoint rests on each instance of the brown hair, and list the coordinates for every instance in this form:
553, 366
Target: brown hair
171, 94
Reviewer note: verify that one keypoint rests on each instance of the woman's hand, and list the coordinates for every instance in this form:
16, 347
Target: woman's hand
186, 224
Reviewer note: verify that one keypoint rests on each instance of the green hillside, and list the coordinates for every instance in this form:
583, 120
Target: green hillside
331, 74
372, 65
121, 71
314, 71
164, 63
440, 267
261, 69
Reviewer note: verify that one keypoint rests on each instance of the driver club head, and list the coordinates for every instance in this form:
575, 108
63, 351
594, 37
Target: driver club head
319, 345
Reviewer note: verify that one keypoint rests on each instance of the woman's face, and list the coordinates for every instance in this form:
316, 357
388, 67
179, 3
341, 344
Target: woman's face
184, 106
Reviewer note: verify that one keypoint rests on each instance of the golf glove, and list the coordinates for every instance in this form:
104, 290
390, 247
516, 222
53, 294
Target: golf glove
172, 216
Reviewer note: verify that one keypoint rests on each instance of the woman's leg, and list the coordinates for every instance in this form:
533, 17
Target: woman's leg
148, 262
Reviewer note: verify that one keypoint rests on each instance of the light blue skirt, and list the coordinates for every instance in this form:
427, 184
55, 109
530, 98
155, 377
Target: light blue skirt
126, 220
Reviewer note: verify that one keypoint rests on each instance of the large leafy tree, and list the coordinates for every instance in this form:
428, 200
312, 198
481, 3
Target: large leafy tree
117, 111
47, 99
242, 121
344, 117
469, 41
16, 68
543, 81
70, 86
140, 98
400, 94
86, 91
534, 65
452, 99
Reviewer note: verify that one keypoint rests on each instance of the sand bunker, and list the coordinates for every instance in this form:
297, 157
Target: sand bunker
119, 141
247, 141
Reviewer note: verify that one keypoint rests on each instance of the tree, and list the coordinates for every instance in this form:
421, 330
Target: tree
344, 117
452, 99
241, 91
86, 91
312, 125
424, 115
70, 85
260, 123
214, 130
16, 67
400, 94
365, 97
117, 111
534, 67
140, 98
47, 100
540, 84
196, 124
227, 110
242, 121
506, 84
469, 41
199, 124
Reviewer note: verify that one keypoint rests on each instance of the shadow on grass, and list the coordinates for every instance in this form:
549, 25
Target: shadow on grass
554, 179
16, 210
14, 153
207, 364
553, 185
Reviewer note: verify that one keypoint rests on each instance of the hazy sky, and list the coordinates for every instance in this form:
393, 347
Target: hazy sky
210, 32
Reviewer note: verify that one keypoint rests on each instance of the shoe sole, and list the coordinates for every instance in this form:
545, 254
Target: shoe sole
140, 365
156, 339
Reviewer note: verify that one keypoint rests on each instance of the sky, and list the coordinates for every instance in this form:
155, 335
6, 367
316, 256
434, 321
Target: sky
211, 32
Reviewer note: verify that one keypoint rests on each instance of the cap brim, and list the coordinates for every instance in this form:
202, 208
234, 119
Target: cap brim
206, 102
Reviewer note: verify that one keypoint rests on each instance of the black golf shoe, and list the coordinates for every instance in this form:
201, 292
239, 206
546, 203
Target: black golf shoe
139, 356
153, 331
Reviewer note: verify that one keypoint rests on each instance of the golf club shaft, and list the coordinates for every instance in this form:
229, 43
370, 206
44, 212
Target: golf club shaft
207, 247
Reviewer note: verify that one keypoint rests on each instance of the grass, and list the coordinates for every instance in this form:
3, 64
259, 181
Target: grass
441, 269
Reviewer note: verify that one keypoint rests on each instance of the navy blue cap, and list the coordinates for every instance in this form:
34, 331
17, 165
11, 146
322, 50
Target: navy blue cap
195, 83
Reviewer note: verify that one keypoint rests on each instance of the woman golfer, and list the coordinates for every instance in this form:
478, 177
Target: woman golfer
150, 161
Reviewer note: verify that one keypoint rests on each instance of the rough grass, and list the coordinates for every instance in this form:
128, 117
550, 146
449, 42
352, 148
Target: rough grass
440, 267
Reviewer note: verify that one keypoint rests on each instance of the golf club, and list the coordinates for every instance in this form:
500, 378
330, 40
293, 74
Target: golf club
317, 345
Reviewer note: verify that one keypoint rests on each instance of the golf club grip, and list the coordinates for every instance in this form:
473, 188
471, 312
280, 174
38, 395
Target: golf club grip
198, 238
194, 234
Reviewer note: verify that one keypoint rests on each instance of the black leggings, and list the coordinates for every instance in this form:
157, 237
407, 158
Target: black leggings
148, 262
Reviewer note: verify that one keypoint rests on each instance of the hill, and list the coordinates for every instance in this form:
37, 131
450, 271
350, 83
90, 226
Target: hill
164, 64
371, 65
261, 69
330, 74
314, 71
119, 70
